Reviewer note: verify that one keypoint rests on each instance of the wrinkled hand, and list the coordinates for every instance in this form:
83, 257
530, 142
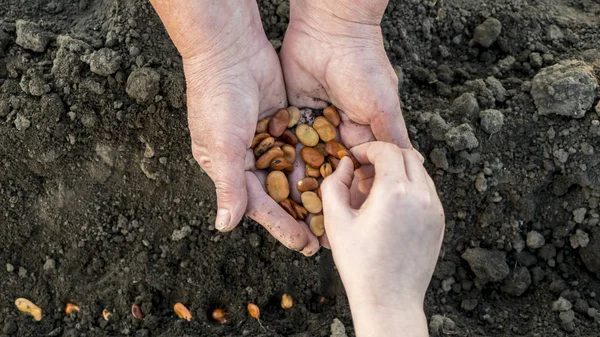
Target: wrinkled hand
333, 52
386, 249
233, 78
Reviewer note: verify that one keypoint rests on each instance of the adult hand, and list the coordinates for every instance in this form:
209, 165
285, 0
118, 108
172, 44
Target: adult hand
333, 52
233, 78
387, 249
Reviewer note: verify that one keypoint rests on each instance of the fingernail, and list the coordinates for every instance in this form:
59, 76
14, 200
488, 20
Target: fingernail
420, 156
223, 219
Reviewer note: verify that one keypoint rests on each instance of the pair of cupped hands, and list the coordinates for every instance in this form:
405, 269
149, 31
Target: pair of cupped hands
235, 77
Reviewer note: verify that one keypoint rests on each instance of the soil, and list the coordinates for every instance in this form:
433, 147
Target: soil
103, 205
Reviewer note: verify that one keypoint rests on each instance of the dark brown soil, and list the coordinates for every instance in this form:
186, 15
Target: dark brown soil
95, 187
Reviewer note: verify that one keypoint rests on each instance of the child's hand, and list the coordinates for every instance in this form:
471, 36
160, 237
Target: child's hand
385, 251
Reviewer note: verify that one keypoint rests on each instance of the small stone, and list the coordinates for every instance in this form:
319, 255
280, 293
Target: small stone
180, 234
338, 329
579, 239
254, 240
567, 88
49, 265
536, 60
579, 215
555, 33
31, 36
567, 316
447, 284
466, 105
103, 62
517, 282
581, 306
22, 272
469, 304
487, 33
461, 138
491, 121
487, 265
535, 240
22, 123
562, 305
143, 84
10, 268
481, 183
436, 325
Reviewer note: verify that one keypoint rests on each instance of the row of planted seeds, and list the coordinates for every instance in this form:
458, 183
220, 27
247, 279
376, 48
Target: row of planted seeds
274, 146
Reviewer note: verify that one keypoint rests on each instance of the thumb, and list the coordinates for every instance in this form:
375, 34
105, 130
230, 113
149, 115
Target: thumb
224, 162
336, 193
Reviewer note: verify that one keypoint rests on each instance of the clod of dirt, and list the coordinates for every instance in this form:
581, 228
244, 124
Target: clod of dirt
103, 62
438, 127
466, 105
567, 88
180, 234
579, 239
487, 33
517, 281
143, 84
22, 123
491, 121
338, 329
590, 255
440, 325
461, 138
535, 240
439, 159
487, 265
10, 327
562, 304
31, 36
497, 88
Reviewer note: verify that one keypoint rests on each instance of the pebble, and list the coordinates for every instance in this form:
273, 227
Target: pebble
49, 265
562, 304
22, 123
487, 265
10, 268
491, 121
579, 239
22, 272
567, 89
535, 240
579, 215
487, 33
439, 324
180, 234
143, 84
338, 329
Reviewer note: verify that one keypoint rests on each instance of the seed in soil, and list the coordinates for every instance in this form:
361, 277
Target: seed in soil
286, 204
136, 311
301, 212
307, 184
317, 225
264, 146
311, 201
307, 135
312, 157
289, 137
332, 115
25, 305
266, 159
70, 307
182, 312
279, 122
294, 116
278, 186
106, 314
259, 138
263, 125
326, 170
333, 148
289, 153
286, 301
311, 171
219, 315
325, 129
253, 310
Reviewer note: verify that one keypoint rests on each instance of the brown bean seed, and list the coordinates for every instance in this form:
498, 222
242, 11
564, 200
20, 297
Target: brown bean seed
265, 160
294, 116
332, 115
307, 184
289, 137
312, 157
311, 201
301, 212
333, 161
277, 185
286, 204
263, 125
319, 193
279, 143
259, 138
289, 153
281, 164
264, 146
279, 122
307, 135
321, 148
325, 129
346, 153
332, 147
317, 225
311, 171
326, 170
